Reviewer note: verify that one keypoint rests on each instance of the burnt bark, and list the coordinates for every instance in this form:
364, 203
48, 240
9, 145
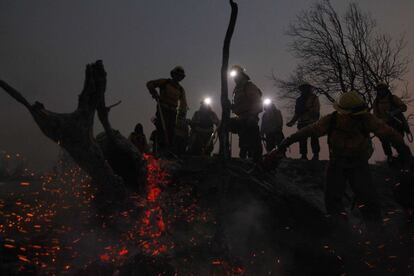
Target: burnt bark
74, 132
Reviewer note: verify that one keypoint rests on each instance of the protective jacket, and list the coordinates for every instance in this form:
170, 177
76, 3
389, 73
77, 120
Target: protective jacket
247, 99
204, 120
172, 94
384, 106
307, 109
272, 121
348, 136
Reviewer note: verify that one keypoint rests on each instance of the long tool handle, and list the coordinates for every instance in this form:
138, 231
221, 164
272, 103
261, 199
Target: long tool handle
163, 123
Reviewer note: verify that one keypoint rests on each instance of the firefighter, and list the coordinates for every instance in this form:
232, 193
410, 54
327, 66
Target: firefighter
390, 108
170, 97
307, 111
138, 139
202, 129
348, 130
247, 106
272, 125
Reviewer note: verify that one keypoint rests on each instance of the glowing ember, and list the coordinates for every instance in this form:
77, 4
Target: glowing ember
53, 227
123, 252
105, 258
23, 258
153, 223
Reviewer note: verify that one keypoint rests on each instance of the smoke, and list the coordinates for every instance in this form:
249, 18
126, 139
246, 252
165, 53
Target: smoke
244, 226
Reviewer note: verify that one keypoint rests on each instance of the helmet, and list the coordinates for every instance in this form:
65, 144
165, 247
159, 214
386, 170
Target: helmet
178, 71
304, 87
236, 70
351, 103
381, 85
138, 128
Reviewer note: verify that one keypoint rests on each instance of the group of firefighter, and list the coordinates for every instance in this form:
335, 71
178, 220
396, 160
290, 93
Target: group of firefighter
348, 128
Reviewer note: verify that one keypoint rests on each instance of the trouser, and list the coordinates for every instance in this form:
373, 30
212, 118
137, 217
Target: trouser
249, 137
273, 139
180, 145
199, 143
169, 116
356, 173
386, 145
303, 144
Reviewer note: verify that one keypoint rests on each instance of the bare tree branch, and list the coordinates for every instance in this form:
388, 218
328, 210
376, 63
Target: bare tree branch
342, 53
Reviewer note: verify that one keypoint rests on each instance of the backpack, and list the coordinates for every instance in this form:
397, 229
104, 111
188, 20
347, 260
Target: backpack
359, 125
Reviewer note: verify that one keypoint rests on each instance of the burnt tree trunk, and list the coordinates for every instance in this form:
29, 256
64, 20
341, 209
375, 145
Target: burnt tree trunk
74, 132
225, 102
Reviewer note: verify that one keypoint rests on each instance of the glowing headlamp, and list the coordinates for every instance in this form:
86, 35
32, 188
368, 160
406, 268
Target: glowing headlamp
267, 101
233, 73
207, 101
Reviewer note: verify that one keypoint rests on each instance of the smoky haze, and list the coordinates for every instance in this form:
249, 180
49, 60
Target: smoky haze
45, 45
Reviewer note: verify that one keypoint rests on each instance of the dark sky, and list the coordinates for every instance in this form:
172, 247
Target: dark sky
44, 46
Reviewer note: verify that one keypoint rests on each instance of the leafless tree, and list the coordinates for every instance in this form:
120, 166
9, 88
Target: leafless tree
339, 53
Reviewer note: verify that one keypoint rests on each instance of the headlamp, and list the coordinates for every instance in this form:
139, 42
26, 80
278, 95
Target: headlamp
233, 73
207, 101
267, 101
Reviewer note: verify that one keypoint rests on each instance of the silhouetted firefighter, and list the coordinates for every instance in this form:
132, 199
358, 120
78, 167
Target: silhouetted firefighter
138, 138
390, 108
272, 125
307, 111
247, 106
348, 130
171, 95
202, 129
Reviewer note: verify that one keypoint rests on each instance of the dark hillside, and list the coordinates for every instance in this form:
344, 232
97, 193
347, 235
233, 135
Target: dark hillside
199, 218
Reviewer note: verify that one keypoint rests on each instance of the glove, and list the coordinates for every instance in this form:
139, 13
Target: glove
155, 96
285, 144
